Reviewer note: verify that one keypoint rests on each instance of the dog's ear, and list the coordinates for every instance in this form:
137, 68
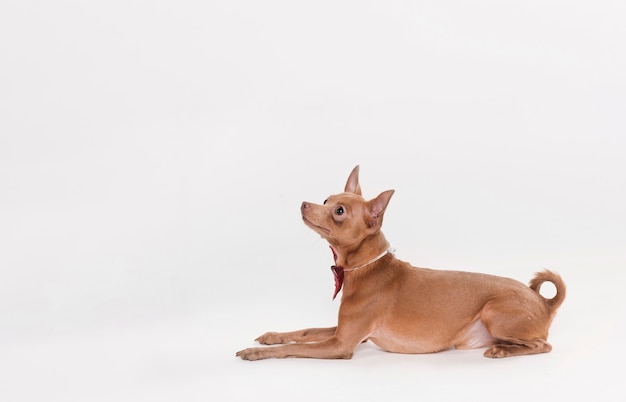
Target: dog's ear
352, 185
377, 208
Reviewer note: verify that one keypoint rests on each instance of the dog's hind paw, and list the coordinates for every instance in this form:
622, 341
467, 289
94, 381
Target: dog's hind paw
497, 351
507, 350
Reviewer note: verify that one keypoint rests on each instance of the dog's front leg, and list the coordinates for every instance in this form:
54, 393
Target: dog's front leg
301, 336
331, 348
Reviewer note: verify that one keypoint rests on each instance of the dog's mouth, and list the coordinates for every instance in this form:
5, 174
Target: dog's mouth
314, 226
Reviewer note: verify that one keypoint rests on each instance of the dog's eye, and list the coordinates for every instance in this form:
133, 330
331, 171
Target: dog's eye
325, 201
339, 211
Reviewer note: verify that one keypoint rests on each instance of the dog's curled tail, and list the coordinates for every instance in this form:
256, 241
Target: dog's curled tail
555, 279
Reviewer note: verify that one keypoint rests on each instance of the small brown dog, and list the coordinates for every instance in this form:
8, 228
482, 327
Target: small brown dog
405, 309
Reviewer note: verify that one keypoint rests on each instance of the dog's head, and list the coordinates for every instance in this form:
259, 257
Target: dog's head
345, 219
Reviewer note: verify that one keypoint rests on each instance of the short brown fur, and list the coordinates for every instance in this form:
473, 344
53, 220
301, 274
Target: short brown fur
405, 309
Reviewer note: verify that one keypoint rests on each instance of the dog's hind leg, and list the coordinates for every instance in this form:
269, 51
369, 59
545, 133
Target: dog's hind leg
518, 328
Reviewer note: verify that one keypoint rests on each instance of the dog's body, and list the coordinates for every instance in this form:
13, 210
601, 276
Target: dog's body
410, 310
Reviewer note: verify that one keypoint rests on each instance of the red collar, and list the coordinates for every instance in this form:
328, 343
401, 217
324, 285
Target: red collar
339, 271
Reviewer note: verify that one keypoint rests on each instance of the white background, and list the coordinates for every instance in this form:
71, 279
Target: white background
154, 155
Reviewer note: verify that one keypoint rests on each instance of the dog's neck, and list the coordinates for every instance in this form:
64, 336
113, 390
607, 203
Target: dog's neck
390, 250
367, 252
341, 258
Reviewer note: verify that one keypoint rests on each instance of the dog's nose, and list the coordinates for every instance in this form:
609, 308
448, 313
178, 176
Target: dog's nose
304, 206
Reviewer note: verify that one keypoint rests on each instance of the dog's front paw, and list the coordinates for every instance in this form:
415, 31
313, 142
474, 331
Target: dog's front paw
271, 338
251, 354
